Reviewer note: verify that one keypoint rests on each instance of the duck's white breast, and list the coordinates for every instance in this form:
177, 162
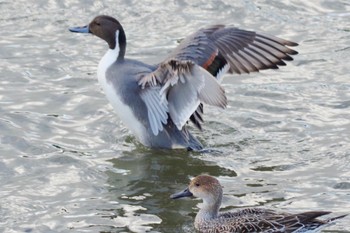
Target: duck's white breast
124, 112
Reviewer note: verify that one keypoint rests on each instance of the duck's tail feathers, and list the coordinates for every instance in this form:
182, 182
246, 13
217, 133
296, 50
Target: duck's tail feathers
336, 218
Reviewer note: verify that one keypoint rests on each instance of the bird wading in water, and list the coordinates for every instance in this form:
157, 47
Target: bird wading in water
156, 101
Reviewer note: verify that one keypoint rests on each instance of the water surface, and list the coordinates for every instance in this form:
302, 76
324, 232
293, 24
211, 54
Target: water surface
69, 165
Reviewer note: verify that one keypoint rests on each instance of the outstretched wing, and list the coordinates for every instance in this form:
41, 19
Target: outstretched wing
220, 49
178, 87
243, 51
185, 79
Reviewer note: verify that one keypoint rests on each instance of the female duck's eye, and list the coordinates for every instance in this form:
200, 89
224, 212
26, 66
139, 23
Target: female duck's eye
197, 184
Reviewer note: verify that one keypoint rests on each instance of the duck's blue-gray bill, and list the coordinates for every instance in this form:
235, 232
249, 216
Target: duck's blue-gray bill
84, 29
185, 193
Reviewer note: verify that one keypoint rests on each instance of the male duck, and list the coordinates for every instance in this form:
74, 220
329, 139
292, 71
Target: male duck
209, 220
156, 101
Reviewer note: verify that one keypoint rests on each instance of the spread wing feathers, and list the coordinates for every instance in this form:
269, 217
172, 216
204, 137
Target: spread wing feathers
248, 51
220, 49
200, 49
183, 85
244, 51
157, 108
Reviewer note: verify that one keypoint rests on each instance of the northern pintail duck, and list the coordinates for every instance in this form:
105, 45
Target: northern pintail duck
156, 101
210, 220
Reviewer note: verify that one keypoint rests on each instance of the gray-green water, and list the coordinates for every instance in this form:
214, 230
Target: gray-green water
68, 164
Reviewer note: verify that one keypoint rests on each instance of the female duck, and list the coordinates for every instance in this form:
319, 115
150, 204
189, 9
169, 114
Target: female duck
156, 101
209, 220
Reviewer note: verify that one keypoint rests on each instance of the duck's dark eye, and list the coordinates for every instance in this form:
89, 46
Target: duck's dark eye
197, 184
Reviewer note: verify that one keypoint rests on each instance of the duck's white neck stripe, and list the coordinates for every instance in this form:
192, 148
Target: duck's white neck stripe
108, 59
112, 54
117, 48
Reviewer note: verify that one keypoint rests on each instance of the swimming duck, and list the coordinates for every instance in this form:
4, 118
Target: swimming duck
156, 101
210, 220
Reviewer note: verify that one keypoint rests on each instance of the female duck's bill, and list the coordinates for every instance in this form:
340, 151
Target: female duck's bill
209, 219
184, 193
157, 101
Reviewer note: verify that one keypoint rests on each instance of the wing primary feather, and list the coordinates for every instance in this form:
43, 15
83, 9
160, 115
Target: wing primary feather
263, 58
280, 51
279, 40
272, 51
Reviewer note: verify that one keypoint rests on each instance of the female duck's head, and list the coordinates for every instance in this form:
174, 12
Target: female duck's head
205, 187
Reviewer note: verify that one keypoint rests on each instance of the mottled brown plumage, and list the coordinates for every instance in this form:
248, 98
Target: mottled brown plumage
210, 220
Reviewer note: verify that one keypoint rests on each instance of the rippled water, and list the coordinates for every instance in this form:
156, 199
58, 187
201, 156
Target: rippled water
69, 165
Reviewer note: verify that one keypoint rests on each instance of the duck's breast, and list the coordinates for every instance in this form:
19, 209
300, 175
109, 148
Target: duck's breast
121, 89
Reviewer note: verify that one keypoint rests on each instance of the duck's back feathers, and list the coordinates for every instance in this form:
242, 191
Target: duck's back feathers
266, 220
